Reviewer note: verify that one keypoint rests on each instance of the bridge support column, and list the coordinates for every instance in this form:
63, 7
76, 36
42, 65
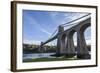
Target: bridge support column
61, 46
70, 48
82, 51
59, 42
58, 45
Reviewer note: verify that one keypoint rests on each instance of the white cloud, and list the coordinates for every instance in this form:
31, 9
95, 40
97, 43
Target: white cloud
53, 15
45, 31
71, 16
35, 24
76, 22
61, 18
32, 42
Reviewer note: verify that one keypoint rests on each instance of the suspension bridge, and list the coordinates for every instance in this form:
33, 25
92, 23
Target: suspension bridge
67, 47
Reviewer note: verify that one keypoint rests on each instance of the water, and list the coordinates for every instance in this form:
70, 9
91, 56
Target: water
38, 55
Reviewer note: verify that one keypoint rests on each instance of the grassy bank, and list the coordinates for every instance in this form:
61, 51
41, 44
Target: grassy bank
49, 59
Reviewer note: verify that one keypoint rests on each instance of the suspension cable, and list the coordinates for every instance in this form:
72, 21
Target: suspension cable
53, 33
75, 20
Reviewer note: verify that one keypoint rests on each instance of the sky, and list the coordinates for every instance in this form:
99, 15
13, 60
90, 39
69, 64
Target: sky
38, 26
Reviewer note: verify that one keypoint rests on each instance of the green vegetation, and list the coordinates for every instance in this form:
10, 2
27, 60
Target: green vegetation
32, 48
49, 59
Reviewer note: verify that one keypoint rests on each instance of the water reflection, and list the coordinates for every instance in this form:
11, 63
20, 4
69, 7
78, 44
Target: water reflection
38, 55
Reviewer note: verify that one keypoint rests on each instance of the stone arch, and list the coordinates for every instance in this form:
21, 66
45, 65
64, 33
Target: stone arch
71, 33
84, 27
87, 36
81, 42
70, 48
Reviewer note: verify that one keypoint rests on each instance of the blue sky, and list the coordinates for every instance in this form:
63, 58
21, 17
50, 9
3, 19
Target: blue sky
39, 25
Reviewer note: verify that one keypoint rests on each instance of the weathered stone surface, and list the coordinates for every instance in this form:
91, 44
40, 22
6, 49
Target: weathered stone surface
59, 43
82, 51
70, 48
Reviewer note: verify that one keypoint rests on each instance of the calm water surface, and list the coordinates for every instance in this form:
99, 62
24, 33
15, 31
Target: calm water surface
38, 55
